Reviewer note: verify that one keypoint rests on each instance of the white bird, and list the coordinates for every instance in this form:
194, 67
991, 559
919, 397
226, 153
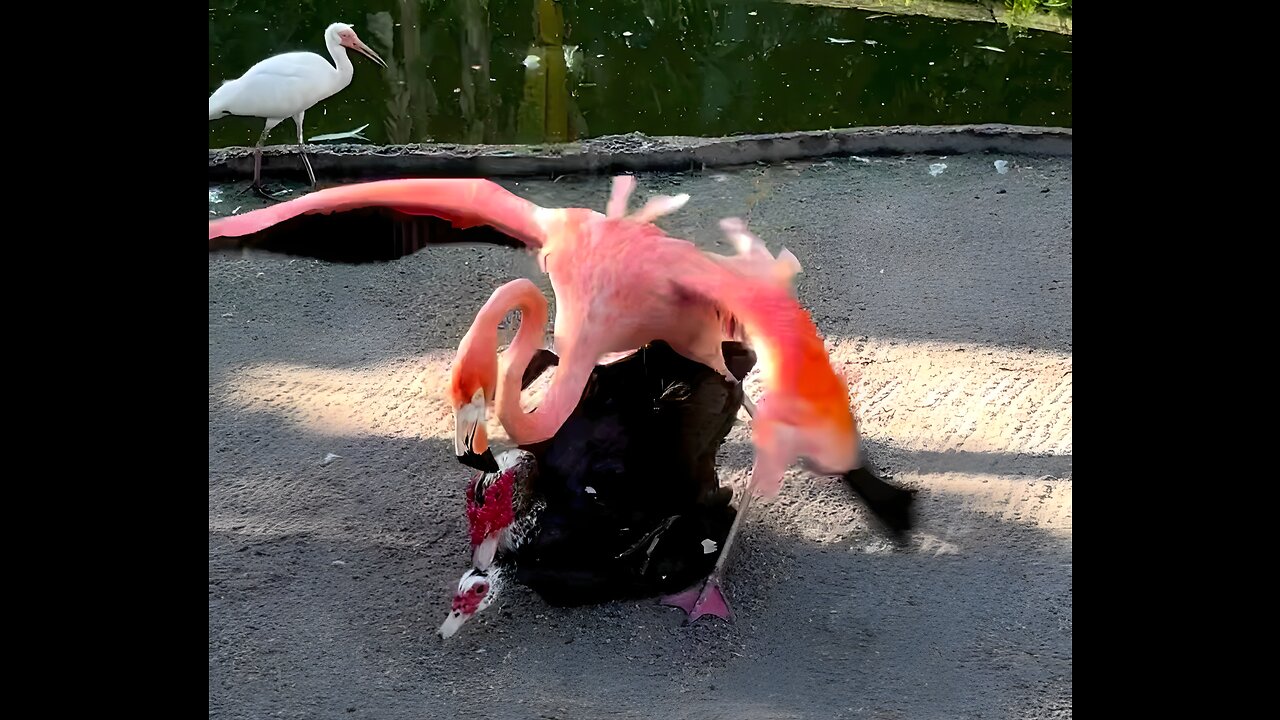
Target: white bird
288, 85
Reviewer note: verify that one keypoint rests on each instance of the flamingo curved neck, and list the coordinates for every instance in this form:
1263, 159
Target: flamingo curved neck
566, 388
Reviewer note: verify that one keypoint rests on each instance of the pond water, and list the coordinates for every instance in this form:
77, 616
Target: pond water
532, 71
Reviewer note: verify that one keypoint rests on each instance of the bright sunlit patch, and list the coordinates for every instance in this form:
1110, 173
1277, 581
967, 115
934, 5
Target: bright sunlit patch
1043, 503
986, 429
953, 397
403, 398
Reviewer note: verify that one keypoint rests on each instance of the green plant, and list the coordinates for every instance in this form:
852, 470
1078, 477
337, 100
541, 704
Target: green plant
1019, 7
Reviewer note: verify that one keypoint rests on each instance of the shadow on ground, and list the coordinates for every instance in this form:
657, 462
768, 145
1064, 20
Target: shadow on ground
327, 581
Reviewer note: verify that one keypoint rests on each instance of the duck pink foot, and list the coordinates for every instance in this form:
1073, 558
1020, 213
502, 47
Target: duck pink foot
696, 602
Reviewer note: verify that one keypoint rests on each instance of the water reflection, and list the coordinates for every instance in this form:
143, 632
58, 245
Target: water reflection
544, 71
410, 97
545, 106
475, 95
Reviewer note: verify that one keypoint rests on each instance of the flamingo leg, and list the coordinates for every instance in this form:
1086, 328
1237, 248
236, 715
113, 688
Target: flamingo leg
709, 599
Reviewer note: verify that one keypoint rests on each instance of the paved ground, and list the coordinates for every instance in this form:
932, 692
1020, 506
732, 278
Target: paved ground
945, 299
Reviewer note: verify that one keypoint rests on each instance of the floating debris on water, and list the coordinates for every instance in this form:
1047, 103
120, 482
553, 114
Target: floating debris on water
840, 41
988, 47
1002, 166
937, 168
348, 135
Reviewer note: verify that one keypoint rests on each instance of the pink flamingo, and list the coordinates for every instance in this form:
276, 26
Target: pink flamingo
620, 282
805, 411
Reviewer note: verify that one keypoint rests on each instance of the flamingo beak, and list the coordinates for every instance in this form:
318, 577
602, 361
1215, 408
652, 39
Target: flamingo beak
368, 52
471, 441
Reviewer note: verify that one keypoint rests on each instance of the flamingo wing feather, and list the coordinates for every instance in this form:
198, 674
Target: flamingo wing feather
464, 202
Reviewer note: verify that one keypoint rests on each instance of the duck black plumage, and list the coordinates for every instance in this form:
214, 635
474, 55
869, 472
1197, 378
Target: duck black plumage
624, 501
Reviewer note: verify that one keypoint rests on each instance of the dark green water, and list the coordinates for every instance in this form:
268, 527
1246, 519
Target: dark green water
662, 67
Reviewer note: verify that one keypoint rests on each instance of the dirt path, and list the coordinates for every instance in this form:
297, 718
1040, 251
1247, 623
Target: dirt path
945, 299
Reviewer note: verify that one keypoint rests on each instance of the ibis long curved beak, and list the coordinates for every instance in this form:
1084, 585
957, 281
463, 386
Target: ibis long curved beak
471, 440
368, 52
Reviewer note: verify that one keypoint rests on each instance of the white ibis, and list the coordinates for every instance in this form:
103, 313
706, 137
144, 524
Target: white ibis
288, 85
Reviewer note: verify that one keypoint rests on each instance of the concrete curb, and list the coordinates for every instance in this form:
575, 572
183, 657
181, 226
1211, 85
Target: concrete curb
635, 152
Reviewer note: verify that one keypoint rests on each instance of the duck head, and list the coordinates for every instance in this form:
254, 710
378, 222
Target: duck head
476, 591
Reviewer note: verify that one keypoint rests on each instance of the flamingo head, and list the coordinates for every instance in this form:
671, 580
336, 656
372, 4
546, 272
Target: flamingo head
344, 35
471, 388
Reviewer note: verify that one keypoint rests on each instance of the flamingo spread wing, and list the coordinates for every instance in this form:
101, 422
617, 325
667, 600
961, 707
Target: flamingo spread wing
806, 411
463, 202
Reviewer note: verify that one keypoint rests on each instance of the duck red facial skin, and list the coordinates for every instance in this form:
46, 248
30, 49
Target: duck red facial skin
495, 511
469, 602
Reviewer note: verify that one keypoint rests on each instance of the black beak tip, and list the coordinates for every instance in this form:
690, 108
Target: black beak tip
484, 462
